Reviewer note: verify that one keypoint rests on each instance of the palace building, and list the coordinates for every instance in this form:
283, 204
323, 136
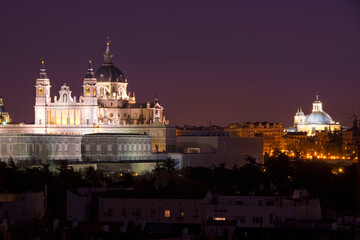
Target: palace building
106, 106
317, 120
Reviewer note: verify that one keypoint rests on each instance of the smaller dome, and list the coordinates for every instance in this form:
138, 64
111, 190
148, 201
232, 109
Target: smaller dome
319, 118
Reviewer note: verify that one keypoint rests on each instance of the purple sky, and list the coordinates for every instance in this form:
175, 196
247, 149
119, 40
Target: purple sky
218, 61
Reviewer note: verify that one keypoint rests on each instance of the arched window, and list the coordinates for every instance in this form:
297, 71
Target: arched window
40, 91
87, 90
65, 98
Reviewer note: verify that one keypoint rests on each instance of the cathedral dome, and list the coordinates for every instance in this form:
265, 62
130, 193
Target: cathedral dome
108, 72
319, 118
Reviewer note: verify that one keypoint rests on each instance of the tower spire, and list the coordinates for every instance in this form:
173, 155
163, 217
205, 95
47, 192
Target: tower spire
42, 73
90, 72
108, 55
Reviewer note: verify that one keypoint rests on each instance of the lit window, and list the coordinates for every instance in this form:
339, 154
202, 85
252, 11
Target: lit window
167, 213
87, 90
181, 213
40, 91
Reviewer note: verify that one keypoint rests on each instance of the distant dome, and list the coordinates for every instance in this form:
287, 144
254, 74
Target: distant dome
318, 118
109, 73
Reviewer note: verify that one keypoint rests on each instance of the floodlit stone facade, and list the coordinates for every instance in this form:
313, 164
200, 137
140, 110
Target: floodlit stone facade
105, 106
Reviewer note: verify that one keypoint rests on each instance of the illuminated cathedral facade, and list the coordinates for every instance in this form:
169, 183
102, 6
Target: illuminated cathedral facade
105, 101
317, 120
105, 106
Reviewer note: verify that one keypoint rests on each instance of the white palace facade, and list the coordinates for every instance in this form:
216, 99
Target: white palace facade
105, 106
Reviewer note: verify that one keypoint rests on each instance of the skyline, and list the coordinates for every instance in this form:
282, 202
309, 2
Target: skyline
230, 62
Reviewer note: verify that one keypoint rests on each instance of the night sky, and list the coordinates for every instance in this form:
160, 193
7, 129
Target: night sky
218, 61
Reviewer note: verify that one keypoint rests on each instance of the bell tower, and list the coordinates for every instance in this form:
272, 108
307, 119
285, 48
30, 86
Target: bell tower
42, 96
89, 86
299, 117
90, 112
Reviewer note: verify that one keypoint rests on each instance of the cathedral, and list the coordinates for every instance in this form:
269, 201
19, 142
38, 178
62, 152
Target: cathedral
105, 101
105, 106
317, 120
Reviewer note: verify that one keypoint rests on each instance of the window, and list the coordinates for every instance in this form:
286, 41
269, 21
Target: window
87, 121
40, 91
138, 212
240, 218
123, 212
167, 213
195, 213
181, 213
239, 203
109, 212
257, 220
9, 147
87, 90
269, 203
152, 212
